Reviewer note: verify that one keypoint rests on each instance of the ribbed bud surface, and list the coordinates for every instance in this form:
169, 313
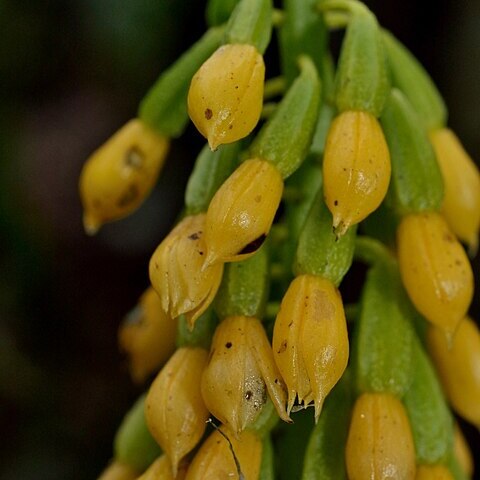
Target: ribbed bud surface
380, 442
310, 340
178, 272
240, 372
356, 168
242, 211
118, 176
458, 366
147, 335
226, 94
174, 408
435, 270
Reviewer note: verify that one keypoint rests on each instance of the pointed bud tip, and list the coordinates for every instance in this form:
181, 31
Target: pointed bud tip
91, 224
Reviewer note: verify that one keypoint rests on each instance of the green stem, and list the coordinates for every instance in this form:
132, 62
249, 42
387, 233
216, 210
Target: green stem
352, 311
371, 251
278, 16
274, 87
268, 110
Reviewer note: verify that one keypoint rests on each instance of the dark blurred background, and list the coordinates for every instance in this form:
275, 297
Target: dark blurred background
72, 73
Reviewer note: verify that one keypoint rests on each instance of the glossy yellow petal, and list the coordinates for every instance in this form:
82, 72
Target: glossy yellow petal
215, 459
226, 94
161, 469
435, 270
174, 408
459, 368
118, 176
241, 212
148, 336
239, 373
178, 272
461, 205
310, 339
433, 472
118, 471
356, 168
380, 442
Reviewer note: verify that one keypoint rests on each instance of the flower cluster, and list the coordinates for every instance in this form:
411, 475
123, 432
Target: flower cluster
244, 323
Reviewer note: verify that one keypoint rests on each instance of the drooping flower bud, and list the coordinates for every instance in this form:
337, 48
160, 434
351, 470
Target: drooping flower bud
161, 469
118, 471
174, 408
147, 335
435, 270
226, 94
222, 456
241, 212
458, 366
240, 371
178, 272
380, 442
461, 204
433, 472
356, 168
310, 340
118, 176
462, 452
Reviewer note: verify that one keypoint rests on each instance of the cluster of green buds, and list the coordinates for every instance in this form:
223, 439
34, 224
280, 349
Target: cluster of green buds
243, 327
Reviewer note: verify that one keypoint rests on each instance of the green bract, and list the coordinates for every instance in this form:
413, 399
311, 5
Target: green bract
285, 139
219, 11
164, 107
133, 443
251, 23
244, 287
325, 454
361, 81
430, 418
301, 33
319, 252
382, 350
210, 171
413, 80
416, 184
202, 333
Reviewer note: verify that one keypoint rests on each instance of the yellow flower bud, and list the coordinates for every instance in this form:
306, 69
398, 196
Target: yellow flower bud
148, 336
226, 94
433, 472
161, 469
462, 452
118, 471
241, 212
458, 366
380, 441
215, 459
118, 176
174, 408
310, 340
461, 204
240, 371
435, 270
356, 168
178, 272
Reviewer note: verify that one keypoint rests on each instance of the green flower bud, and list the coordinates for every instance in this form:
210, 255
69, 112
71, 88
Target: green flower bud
134, 445
382, 349
319, 252
412, 79
430, 417
416, 184
285, 139
164, 108
251, 23
244, 288
210, 171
